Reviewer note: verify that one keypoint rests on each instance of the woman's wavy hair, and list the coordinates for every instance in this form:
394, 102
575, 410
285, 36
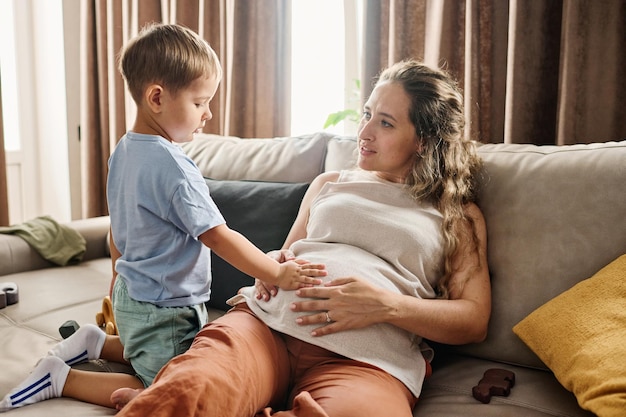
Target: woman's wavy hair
445, 169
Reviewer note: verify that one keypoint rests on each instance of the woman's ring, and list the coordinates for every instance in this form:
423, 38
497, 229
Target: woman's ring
328, 319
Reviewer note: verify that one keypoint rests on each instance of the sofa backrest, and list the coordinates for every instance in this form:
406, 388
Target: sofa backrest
555, 214
295, 159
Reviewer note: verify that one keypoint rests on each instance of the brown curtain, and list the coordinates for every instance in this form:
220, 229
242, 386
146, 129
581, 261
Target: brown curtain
251, 39
543, 72
4, 196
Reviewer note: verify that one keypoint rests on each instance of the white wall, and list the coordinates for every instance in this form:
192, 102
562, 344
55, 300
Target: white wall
71, 27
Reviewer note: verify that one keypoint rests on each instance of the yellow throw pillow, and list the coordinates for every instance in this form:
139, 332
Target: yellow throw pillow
581, 336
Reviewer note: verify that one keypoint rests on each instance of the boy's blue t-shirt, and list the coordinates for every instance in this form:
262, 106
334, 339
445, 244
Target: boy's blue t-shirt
159, 204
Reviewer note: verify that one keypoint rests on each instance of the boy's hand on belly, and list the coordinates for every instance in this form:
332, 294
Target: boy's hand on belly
296, 274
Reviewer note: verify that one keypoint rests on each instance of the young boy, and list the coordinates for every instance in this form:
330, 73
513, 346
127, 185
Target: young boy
163, 223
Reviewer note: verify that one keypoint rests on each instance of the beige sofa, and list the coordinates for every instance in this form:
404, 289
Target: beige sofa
555, 216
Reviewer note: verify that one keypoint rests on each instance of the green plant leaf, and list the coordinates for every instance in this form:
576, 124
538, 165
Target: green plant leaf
337, 117
348, 114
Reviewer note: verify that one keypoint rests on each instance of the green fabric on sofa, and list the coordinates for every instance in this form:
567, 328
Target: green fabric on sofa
55, 242
261, 211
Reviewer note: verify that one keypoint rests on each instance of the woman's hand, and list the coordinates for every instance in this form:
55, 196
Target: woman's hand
282, 255
265, 291
343, 304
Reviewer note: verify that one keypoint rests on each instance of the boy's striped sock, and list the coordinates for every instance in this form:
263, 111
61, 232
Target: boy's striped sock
46, 381
86, 344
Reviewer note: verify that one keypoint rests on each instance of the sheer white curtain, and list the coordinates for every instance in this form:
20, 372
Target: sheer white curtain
4, 198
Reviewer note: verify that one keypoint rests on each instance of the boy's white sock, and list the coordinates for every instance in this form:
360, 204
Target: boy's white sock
86, 344
46, 381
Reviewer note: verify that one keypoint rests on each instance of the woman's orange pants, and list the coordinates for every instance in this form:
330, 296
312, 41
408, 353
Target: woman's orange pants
239, 367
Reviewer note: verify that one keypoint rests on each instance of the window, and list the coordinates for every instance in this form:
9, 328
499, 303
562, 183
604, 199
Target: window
34, 107
324, 63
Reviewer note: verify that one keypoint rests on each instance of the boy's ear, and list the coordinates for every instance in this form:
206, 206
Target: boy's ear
154, 97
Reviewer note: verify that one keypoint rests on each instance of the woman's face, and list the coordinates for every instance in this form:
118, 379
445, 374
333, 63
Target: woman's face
387, 142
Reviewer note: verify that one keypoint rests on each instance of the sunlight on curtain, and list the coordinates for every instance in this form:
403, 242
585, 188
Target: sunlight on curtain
320, 85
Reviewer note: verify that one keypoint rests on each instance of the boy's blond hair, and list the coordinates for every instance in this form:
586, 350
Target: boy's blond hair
170, 55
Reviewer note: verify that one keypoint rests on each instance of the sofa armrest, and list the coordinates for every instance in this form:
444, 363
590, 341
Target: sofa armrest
95, 231
18, 256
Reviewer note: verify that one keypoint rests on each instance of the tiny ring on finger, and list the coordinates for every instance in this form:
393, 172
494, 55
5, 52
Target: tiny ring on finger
328, 319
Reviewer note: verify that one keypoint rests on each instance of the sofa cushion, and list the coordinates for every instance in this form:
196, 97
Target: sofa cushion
448, 392
554, 217
581, 336
261, 211
342, 153
295, 159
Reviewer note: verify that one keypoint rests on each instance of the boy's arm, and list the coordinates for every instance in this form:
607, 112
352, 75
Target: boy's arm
238, 251
115, 254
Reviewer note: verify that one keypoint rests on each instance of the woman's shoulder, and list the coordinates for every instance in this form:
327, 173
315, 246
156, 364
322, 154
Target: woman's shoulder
328, 176
323, 178
474, 212
348, 175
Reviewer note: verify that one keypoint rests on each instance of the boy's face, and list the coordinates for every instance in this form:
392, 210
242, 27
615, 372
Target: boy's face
186, 112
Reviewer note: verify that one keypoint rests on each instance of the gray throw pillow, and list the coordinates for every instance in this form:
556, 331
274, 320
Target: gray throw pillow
261, 211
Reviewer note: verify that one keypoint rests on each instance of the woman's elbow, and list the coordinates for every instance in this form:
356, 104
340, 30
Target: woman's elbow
480, 335
479, 330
